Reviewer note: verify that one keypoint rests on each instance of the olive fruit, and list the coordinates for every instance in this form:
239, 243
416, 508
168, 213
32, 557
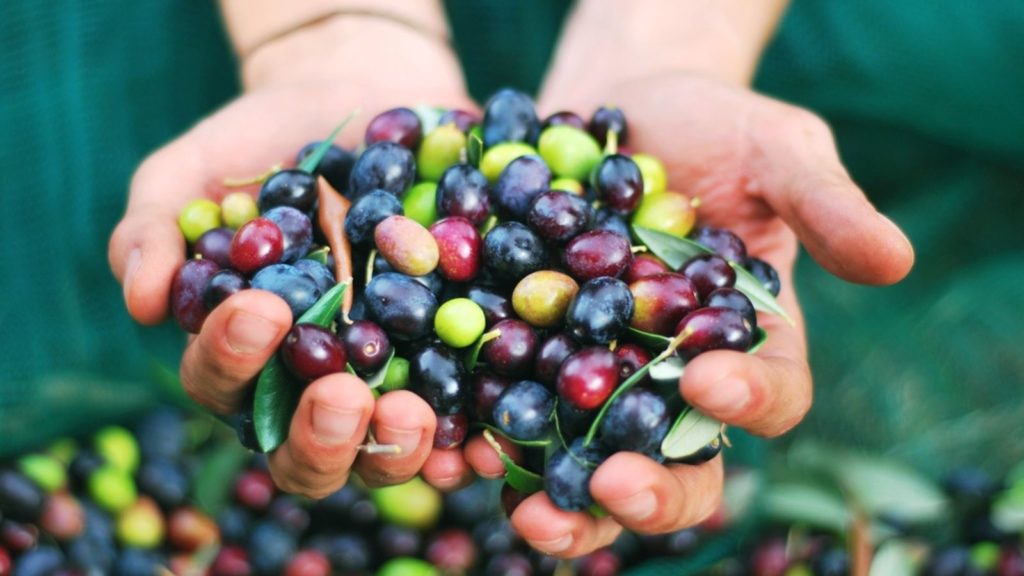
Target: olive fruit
398, 125
420, 203
197, 217
519, 183
437, 375
764, 272
608, 119
463, 191
335, 165
636, 421
643, 265
459, 246
541, 298
296, 231
713, 329
511, 251
497, 158
385, 166
660, 301
258, 243
669, 212
512, 352
401, 305
567, 475
369, 210
552, 353
509, 116
559, 216
569, 151
565, 118
653, 171
310, 351
600, 312
597, 253
738, 301
187, 290
721, 241
619, 183
523, 411
495, 305
406, 245
294, 286
708, 272
366, 345
293, 187
215, 245
459, 322
440, 149
588, 377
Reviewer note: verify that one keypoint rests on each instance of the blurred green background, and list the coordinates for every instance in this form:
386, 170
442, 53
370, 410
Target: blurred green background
925, 100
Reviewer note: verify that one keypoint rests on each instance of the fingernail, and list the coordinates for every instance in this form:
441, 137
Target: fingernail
407, 440
556, 546
638, 507
726, 398
131, 267
248, 333
332, 426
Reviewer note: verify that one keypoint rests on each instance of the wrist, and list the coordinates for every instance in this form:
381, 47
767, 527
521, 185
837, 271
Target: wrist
723, 39
348, 46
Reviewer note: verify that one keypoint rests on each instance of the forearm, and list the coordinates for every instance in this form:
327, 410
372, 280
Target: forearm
721, 38
278, 40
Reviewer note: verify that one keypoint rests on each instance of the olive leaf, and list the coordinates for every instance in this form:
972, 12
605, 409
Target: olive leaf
276, 394
648, 339
474, 352
895, 558
675, 251
799, 503
318, 255
692, 431
377, 379
474, 147
310, 162
1008, 509
628, 383
528, 443
517, 477
760, 337
210, 492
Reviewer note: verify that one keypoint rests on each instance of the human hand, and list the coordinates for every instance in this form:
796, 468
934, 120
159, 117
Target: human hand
297, 89
769, 172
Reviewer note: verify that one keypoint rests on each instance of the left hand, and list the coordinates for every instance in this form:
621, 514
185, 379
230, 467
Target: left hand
769, 172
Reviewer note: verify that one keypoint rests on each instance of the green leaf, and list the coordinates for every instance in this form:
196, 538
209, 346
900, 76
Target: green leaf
1008, 509
377, 378
474, 147
647, 339
310, 162
759, 296
760, 337
528, 443
674, 251
474, 352
210, 491
517, 477
691, 431
669, 371
890, 488
808, 505
318, 255
322, 313
894, 558
276, 393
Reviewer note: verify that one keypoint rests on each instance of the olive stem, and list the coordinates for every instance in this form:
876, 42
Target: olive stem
638, 249
611, 143
696, 202
669, 350
257, 179
373, 448
369, 265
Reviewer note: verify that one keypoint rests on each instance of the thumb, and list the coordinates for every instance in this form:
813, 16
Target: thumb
802, 179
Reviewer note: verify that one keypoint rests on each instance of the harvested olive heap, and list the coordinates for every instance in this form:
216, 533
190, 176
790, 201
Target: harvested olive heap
176, 495
523, 277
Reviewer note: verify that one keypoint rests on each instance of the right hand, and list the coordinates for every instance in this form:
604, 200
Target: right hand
297, 89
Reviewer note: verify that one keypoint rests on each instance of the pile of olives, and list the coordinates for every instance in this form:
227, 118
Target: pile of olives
175, 495
527, 278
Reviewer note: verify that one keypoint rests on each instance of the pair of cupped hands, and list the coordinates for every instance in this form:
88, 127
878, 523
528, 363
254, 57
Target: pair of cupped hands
764, 169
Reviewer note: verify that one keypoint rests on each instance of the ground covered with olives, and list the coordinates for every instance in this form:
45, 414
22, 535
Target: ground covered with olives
527, 277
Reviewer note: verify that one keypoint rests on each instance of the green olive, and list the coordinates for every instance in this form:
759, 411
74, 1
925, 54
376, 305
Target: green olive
407, 566
44, 470
414, 504
668, 212
568, 185
118, 447
141, 525
459, 322
542, 297
197, 217
238, 208
653, 172
500, 155
112, 488
397, 376
420, 203
569, 151
440, 149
